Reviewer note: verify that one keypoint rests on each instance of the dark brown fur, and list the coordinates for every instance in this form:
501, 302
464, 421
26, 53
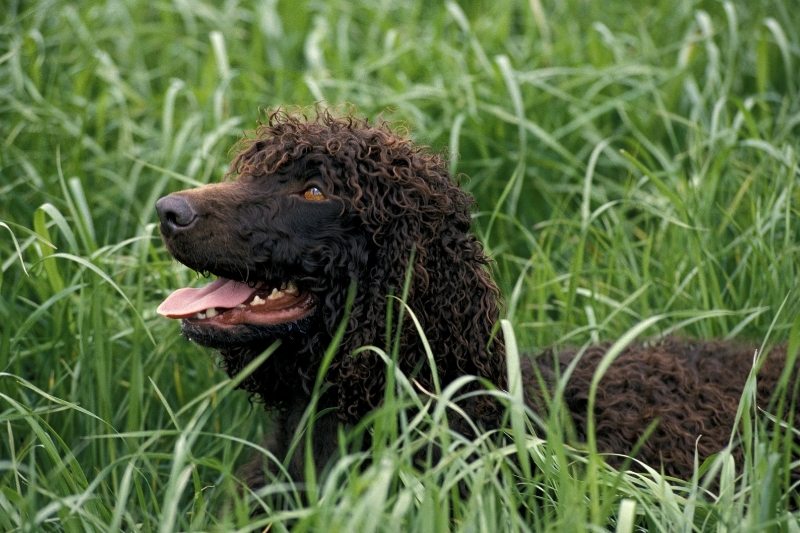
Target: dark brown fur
392, 206
688, 390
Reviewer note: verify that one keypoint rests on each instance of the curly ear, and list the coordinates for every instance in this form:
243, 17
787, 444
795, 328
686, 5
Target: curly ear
410, 208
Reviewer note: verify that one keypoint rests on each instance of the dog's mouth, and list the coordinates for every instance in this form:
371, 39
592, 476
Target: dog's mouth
225, 303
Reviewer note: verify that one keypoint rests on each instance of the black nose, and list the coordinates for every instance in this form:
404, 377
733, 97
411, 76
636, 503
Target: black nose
175, 212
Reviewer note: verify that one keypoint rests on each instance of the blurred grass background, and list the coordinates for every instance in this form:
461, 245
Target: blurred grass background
629, 161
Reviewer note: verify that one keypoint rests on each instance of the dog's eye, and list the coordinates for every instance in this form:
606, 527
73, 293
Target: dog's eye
314, 194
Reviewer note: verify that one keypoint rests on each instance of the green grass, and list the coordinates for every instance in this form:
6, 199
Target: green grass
636, 172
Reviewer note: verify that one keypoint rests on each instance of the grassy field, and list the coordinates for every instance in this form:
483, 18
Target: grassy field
636, 171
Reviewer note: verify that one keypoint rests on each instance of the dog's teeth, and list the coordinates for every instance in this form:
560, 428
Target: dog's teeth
211, 313
291, 288
257, 300
201, 315
240, 306
274, 294
283, 286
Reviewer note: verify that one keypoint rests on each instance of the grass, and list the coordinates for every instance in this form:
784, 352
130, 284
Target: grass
636, 172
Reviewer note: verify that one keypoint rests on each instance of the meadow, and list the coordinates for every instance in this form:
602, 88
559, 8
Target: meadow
635, 168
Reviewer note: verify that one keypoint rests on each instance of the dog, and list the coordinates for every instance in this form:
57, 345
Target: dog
321, 222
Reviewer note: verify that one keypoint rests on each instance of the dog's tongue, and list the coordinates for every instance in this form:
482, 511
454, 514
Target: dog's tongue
221, 293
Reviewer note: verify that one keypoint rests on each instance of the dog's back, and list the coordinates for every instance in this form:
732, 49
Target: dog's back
687, 391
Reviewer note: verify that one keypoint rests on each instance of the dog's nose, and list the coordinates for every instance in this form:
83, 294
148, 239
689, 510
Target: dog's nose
175, 213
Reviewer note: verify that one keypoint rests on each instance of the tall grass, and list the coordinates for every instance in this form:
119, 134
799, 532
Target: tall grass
635, 169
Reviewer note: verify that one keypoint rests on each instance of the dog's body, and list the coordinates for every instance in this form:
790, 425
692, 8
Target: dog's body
317, 207
687, 390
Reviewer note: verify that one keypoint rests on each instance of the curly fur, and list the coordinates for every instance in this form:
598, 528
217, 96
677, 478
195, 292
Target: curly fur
392, 208
398, 216
687, 390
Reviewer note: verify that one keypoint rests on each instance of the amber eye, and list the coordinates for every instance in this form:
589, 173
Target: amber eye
314, 194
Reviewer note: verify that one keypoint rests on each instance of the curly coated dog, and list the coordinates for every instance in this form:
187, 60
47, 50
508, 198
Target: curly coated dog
314, 207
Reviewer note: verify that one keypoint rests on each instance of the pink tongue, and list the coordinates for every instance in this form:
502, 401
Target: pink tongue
221, 293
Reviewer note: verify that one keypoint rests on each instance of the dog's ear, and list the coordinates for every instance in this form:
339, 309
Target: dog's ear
407, 204
417, 218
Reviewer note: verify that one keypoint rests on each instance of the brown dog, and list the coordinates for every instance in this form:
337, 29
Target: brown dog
313, 208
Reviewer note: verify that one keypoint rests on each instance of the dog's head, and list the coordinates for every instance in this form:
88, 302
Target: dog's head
279, 243
311, 208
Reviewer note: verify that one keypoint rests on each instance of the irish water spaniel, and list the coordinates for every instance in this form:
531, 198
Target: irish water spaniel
316, 210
